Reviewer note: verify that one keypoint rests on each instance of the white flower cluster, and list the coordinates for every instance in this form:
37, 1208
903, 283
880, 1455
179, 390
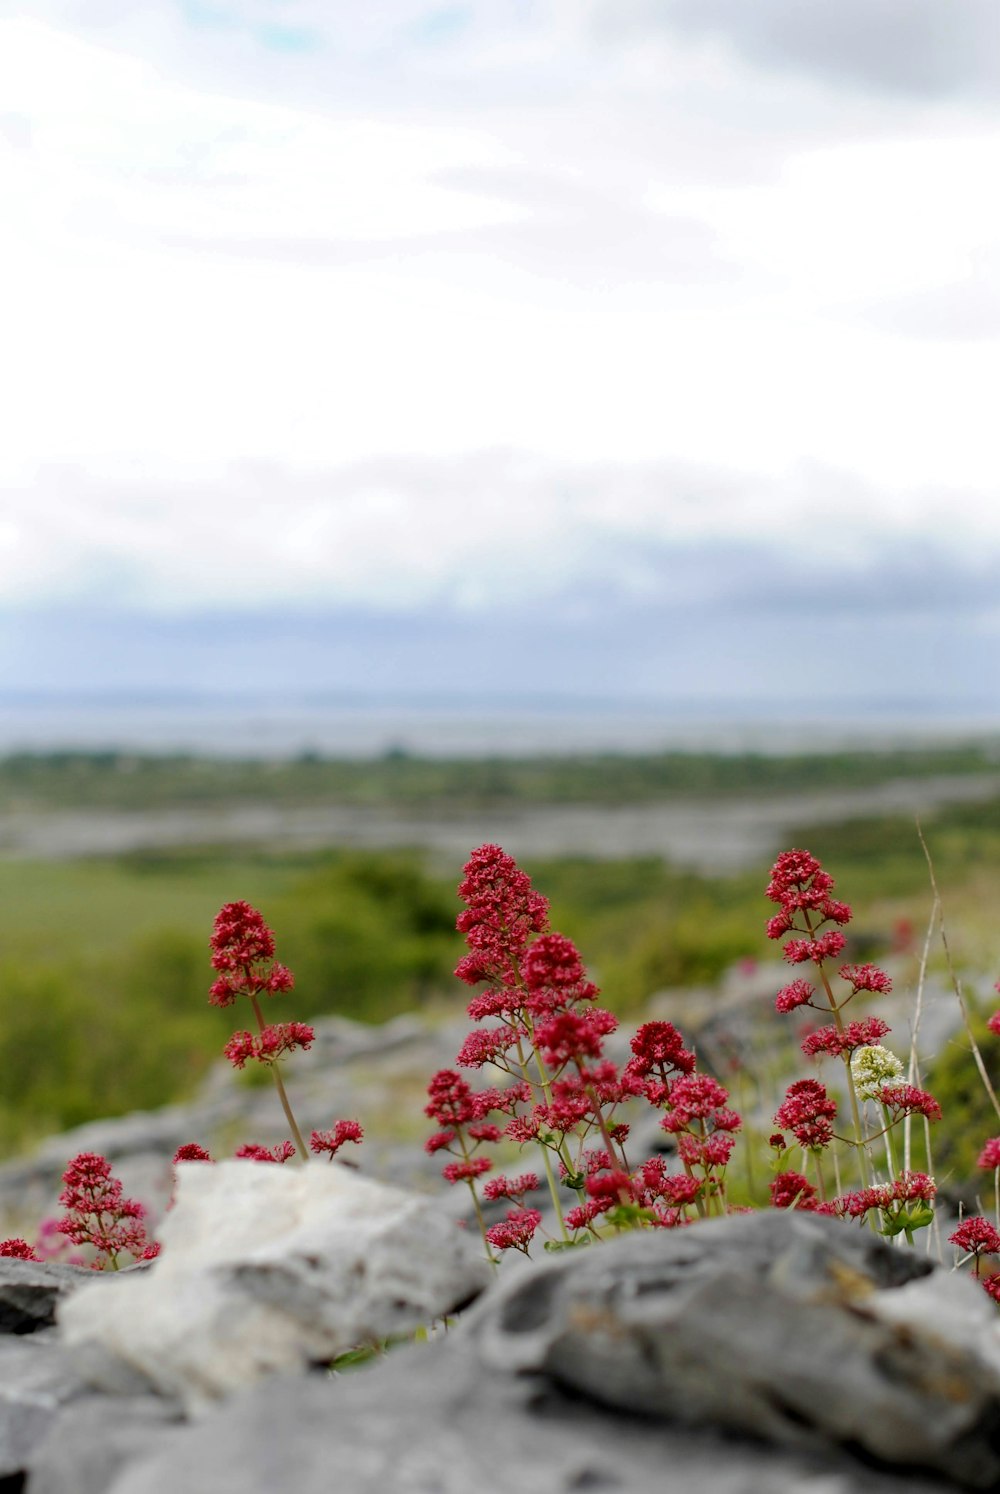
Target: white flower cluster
875, 1069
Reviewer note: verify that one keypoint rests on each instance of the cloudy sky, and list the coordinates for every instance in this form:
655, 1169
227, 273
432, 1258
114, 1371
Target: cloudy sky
594, 348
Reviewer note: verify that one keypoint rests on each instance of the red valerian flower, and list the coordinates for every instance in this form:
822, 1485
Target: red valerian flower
517, 1230
991, 1285
866, 978
98, 1213
331, 1141
451, 1102
269, 1045
867, 1032
191, 1152
989, 1157
807, 1111
466, 1170
824, 947
658, 1048
993, 1023
798, 881
799, 993
512, 1188
242, 948
792, 1190
977, 1236
18, 1249
554, 975
906, 1099
252, 1152
502, 912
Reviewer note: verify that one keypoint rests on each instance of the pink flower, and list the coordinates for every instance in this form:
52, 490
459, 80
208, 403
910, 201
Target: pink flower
799, 993
554, 975
807, 1111
865, 1033
993, 1023
906, 1099
792, 1190
977, 1236
450, 1101
991, 1285
513, 1188
18, 1249
866, 978
569, 1036
191, 1152
823, 947
269, 1045
98, 1214
516, 1232
485, 1045
331, 1141
989, 1157
465, 1171
252, 1152
798, 881
502, 912
657, 1048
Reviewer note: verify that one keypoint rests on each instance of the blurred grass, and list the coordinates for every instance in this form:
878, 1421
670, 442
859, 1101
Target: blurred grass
104, 962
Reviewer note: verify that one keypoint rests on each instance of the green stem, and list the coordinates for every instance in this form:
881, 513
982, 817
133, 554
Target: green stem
303, 1150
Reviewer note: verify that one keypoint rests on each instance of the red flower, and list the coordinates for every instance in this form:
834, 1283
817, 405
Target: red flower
465, 1171
807, 1111
976, 1235
191, 1152
824, 947
792, 1190
331, 1141
283, 1152
799, 993
502, 912
865, 1033
516, 1232
98, 1213
18, 1249
866, 978
993, 1023
906, 1099
989, 1157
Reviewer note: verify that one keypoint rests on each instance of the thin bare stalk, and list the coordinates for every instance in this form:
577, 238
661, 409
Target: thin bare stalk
913, 1067
956, 984
303, 1150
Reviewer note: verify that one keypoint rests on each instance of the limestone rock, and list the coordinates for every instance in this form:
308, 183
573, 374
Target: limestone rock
29, 1291
783, 1325
267, 1268
37, 1378
436, 1420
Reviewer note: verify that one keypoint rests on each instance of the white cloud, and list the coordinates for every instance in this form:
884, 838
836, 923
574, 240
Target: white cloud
500, 305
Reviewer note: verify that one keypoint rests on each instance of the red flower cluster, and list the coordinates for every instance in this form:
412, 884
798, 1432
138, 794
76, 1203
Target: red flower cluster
502, 912
242, 948
909, 1187
906, 1099
842, 1043
989, 1157
977, 1236
546, 1033
807, 1111
269, 1044
99, 1214
18, 1249
252, 1152
791, 1190
330, 1142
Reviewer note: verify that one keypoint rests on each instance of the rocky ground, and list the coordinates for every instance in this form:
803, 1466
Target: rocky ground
709, 835
772, 1352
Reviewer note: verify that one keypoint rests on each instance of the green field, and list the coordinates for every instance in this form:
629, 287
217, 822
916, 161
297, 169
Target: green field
104, 962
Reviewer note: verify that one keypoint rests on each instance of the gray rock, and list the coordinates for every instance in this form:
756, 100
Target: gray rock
29, 1291
37, 1378
90, 1440
436, 1420
776, 1324
266, 1268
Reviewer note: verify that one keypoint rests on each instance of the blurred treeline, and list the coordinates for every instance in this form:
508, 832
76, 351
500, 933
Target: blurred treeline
104, 962
128, 781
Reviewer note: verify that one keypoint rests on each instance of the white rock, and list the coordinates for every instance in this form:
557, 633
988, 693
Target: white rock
266, 1268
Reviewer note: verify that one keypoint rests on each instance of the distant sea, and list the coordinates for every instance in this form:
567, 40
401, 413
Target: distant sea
351, 727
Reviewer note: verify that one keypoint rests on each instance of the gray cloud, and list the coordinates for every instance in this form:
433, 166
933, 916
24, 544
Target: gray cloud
913, 48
